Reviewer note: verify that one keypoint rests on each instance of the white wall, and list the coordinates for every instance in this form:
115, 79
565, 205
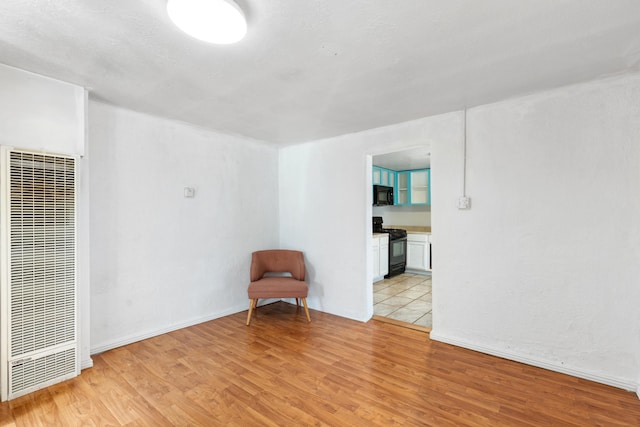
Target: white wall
325, 208
40, 113
161, 261
545, 266
404, 215
43, 114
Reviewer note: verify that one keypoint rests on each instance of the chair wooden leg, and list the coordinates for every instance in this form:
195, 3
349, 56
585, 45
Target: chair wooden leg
297, 301
252, 304
306, 309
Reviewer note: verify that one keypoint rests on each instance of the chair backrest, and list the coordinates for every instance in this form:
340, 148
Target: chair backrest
277, 261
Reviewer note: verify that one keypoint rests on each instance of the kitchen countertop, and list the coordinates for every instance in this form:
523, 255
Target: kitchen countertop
380, 234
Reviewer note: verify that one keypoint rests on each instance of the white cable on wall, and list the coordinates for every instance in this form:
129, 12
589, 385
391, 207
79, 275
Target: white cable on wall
464, 202
464, 155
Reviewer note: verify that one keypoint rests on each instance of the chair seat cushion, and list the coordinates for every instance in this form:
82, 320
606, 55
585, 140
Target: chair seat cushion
278, 287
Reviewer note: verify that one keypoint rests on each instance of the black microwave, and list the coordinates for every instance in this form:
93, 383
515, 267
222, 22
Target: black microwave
382, 195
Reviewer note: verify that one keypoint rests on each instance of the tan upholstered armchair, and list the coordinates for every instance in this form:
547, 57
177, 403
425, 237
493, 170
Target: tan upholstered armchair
277, 261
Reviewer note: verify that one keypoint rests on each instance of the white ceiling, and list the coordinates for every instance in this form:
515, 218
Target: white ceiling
417, 158
312, 69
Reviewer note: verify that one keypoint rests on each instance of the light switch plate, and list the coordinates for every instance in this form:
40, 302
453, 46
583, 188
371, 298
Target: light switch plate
189, 192
464, 203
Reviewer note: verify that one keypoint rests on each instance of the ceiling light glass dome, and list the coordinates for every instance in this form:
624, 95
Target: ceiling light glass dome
213, 21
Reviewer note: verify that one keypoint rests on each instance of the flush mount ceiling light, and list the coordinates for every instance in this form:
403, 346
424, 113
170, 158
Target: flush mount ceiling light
213, 21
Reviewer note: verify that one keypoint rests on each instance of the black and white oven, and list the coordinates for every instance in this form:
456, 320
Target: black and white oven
397, 247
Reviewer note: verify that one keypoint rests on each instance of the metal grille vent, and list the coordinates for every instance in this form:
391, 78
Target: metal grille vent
30, 375
42, 267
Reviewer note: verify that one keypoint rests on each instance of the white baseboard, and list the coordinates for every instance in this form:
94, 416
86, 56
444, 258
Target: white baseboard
129, 339
614, 382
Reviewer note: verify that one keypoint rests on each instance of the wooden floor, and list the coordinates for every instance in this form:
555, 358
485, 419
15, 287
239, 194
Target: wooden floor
283, 371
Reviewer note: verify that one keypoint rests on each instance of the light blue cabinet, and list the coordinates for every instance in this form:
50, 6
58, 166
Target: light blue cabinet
413, 187
402, 189
383, 176
410, 188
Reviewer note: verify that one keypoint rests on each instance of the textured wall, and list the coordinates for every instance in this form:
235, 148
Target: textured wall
159, 260
544, 267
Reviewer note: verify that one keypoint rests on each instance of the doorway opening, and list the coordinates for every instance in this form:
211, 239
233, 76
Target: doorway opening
403, 297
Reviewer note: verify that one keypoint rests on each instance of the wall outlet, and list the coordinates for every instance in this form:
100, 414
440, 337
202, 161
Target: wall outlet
464, 203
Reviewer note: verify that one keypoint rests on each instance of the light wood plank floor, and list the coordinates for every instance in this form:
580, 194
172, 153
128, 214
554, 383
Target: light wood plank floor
284, 371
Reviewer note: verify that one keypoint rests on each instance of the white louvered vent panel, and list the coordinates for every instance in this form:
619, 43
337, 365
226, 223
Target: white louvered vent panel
42, 263
30, 375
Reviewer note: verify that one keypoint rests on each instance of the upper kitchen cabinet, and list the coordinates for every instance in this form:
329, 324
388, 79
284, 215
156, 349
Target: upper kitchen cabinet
413, 187
402, 189
419, 184
382, 176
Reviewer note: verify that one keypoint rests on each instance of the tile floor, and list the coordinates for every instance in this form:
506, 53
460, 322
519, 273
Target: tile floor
406, 297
